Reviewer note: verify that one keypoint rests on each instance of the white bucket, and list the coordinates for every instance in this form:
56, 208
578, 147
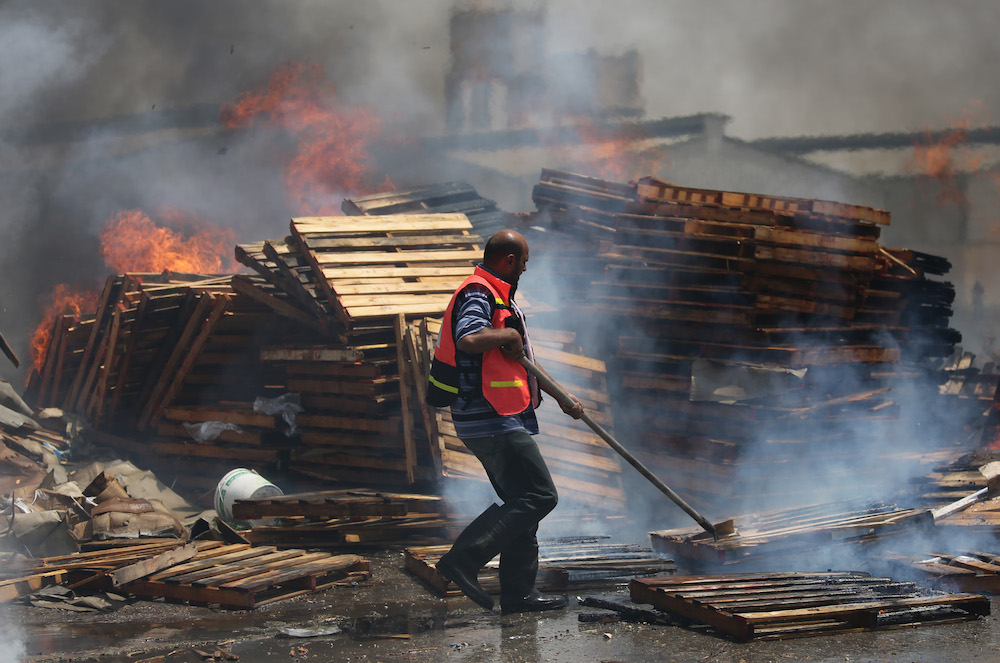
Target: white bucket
241, 484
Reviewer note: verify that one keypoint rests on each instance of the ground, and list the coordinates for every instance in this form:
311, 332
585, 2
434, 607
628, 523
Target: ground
394, 618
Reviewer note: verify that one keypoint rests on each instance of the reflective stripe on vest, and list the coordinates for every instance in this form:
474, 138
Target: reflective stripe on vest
451, 389
507, 383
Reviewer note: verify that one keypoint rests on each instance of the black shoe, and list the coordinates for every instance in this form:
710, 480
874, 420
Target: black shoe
533, 602
465, 579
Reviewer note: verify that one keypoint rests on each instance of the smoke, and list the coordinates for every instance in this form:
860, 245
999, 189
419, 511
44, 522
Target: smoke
109, 107
783, 67
13, 638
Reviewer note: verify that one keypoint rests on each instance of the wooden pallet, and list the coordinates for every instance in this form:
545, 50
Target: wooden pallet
785, 605
448, 197
373, 267
563, 565
108, 568
967, 571
957, 480
653, 189
245, 577
363, 532
14, 588
334, 504
769, 537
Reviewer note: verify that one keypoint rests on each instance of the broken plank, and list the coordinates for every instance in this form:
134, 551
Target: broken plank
153, 564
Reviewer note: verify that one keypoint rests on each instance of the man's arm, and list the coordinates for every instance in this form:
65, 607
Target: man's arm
489, 338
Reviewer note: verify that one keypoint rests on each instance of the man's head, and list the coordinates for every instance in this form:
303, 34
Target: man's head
506, 255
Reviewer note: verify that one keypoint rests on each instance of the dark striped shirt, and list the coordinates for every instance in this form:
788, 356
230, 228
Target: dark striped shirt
474, 417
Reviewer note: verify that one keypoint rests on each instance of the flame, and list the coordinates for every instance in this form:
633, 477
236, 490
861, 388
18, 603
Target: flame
132, 242
994, 443
611, 154
943, 159
333, 157
64, 300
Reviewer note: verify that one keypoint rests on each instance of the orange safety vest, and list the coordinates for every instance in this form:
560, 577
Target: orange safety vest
504, 381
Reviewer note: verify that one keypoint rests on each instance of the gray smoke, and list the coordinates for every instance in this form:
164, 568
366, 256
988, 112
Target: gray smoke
81, 80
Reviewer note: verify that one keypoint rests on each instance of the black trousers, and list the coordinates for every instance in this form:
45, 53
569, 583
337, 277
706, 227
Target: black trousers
522, 480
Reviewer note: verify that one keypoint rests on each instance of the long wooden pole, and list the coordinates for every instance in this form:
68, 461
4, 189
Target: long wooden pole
560, 395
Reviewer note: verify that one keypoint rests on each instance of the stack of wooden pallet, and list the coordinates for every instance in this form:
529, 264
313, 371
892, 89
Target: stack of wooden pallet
784, 605
360, 278
820, 534
163, 354
743, 325
583, 468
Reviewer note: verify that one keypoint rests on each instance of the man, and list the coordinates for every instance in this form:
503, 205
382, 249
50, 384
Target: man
493, 400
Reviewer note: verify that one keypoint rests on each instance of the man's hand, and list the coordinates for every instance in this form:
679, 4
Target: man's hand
514, 348
575, 410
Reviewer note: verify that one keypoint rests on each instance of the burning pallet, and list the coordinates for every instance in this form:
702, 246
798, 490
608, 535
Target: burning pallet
563, 565
748, 606
811, 531
968, 571
963, 494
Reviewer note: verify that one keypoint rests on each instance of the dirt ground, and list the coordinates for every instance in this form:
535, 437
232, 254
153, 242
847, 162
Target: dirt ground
394, 617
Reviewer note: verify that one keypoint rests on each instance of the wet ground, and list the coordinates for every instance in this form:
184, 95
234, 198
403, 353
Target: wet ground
394, 618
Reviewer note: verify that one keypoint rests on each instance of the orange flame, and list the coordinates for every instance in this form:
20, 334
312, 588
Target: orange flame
992, 437
132, 242
614, 154
942, 160
64, 300
332, 157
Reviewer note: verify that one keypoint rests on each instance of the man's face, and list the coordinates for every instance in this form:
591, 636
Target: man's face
515, 266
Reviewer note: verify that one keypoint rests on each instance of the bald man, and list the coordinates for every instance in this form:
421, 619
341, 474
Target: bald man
494, 399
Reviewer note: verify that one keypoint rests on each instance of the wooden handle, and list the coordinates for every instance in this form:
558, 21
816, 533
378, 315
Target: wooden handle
564, 399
